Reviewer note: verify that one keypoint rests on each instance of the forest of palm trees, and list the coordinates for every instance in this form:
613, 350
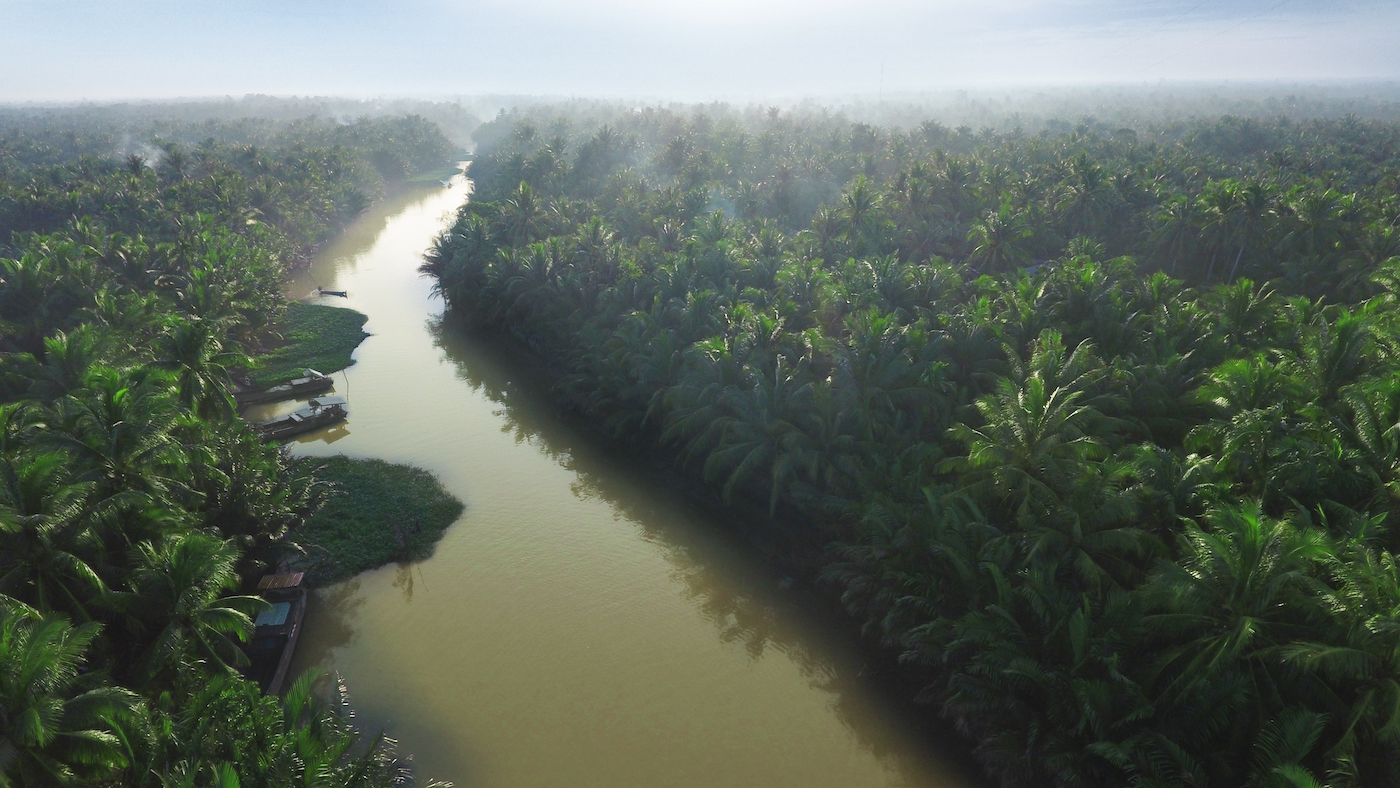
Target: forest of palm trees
1097, 428
134, 505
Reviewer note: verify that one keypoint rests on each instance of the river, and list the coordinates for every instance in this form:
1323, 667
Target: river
578, 626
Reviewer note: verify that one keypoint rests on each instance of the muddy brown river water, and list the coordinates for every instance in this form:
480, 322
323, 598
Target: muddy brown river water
578, 626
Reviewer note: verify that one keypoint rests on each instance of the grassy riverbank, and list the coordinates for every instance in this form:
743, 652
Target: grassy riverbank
316, 336
377, 513
434, 176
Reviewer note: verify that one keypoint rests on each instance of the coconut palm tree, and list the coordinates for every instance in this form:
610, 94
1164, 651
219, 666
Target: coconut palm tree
1038, 439
521, 216
761, 437
68, 358
183, 614
1217, 205
193, 351
1358, 662
118, 433
57, 727
1086, 198
47, 543
1242, 590
1000, 241
28, 301
1251, 210
1179, 223
1337, 354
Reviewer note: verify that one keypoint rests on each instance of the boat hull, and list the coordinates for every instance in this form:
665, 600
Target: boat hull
285, 391
282, 428
319, 412
273, 645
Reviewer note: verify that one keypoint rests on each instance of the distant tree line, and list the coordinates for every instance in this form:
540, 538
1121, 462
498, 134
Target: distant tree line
1101, 427
291, 193
393, 146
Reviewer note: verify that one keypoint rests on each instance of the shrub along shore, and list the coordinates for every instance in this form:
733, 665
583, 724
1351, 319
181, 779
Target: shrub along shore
1096, 425
375, 513
311, 335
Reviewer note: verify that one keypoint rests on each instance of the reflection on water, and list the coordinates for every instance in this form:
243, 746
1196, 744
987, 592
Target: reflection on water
329, 434
581, 624
748, 605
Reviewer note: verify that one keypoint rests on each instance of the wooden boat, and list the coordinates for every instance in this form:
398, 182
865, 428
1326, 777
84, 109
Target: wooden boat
322, 291
275, 631
317, 413
310, 382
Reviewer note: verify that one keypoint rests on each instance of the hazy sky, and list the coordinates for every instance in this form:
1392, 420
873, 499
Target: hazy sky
111, 49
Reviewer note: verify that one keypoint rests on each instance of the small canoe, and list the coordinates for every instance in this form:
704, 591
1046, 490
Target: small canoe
324, 292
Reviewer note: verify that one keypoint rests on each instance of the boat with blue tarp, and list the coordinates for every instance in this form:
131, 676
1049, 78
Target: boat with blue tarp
276, 629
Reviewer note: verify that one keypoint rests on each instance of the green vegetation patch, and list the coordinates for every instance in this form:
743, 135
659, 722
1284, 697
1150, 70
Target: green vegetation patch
377, 513
434, 176
316, 336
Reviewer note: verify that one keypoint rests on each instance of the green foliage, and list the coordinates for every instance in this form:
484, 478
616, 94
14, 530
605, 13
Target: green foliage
56, 726
313, 335
226, 733
1097, 428
375, 513
394, 144
434, 176
134, 504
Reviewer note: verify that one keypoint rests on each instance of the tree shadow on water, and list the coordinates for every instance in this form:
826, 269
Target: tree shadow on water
751, 605
330, 624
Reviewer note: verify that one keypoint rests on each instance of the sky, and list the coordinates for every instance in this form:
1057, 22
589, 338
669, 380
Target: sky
103, 50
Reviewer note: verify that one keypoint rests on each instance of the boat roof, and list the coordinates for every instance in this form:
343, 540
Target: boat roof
280, 580
326, 401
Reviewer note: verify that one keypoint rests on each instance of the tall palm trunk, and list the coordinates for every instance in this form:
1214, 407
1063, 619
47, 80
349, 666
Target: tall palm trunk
1236, 266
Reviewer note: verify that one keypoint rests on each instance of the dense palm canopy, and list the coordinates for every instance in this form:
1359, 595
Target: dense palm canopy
58, 726
133, 504
1098, 428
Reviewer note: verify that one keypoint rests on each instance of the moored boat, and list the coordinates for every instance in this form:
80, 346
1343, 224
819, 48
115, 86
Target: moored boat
317, 413
275, 631
311, 382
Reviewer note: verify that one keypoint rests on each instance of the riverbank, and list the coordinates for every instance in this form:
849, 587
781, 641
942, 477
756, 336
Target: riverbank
434, 176
790, 564
376, 513
321, 337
